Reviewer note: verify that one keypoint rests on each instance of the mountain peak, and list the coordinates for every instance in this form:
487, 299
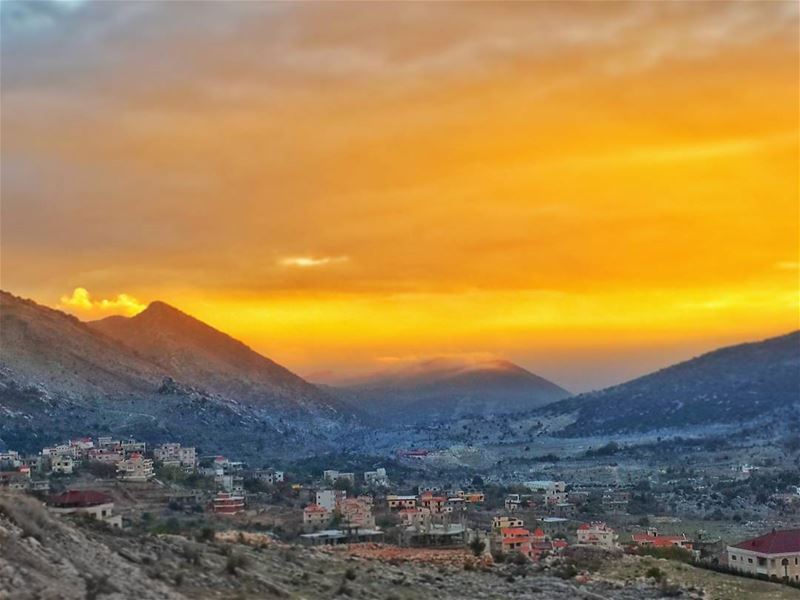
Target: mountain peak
159, 307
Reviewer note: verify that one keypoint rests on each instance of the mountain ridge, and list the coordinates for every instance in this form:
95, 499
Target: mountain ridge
730, 384
448, 388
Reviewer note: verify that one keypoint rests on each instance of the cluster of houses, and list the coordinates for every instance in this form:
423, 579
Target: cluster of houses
553, 498
132, 463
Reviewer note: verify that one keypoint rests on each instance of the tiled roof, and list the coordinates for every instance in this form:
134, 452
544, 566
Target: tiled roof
514, 531
80, 498
777, 542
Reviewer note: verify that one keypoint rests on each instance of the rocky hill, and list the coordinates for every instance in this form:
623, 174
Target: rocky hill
742, 384
444, 389
70, 559
193, 352
60, 377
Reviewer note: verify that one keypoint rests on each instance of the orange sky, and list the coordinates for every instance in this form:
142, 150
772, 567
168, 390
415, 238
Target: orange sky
589, 189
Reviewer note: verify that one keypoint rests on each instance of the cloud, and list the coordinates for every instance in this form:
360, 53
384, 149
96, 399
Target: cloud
309, 261
788, 265
81, 301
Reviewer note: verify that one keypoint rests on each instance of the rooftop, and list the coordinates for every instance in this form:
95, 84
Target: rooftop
776, 542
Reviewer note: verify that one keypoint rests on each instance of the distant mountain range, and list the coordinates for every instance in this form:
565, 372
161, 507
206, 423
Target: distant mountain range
743, 384
445, 388
164, 375
159, 374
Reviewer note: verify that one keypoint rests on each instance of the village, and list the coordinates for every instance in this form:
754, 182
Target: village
174, 489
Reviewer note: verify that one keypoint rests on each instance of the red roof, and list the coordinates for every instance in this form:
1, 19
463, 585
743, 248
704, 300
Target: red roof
538, 532
314, 508
658, 540
80, 498
777, 542
584, 527
514, 531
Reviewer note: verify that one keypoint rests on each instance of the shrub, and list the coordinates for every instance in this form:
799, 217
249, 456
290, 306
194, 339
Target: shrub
235, 562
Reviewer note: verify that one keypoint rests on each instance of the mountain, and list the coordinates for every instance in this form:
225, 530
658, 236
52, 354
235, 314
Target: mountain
191, 351
173, 378
736, 385
444, 388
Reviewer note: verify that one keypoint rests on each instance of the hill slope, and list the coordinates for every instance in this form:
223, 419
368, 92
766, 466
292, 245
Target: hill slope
736, 384
60, 377
193, 352
441, 389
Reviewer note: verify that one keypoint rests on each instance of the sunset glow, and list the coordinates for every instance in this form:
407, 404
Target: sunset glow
591, 190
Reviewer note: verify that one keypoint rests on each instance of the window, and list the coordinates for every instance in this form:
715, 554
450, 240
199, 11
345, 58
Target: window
733, 557
750, 560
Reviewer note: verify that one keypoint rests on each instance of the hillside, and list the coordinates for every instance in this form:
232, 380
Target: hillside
60, 377
443, 388
191, 351
734, 385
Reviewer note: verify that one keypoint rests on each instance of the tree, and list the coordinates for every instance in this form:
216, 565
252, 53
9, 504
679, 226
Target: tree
477, 545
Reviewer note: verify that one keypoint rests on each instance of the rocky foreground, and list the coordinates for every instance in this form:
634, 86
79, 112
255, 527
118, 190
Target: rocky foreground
44, 557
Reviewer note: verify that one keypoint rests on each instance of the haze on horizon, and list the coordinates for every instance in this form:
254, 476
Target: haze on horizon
591, 190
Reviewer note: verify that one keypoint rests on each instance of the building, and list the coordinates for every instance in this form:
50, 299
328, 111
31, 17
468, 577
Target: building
516, 540
436, 504
472, 497
332, 476
315, 517
173, 454
225, 503
503, 522
62, 464
135, 468
16, 480
597, 534
356, 514
650, 538
376, 478
330, 499
550, 492
775, 554
415, 517
97, 505
108, 456
268, 476
554, 527
10, 460
401, 502
133, 447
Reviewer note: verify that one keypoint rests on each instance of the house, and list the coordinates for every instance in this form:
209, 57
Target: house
133, 447
376, 478
226, 503
554, 527
473, 497
515, 540
401, 502
15, 480
551, 492
268, 476
62, 464
97, 505
10, 459
415, 517
775, 554
503, 522
650, 538
135, 468
330, 499
436, 504
597, 534
173, 454
315, 516
108, 456
332, 476
356, 514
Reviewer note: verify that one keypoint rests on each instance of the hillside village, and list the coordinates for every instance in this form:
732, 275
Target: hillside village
172, 489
